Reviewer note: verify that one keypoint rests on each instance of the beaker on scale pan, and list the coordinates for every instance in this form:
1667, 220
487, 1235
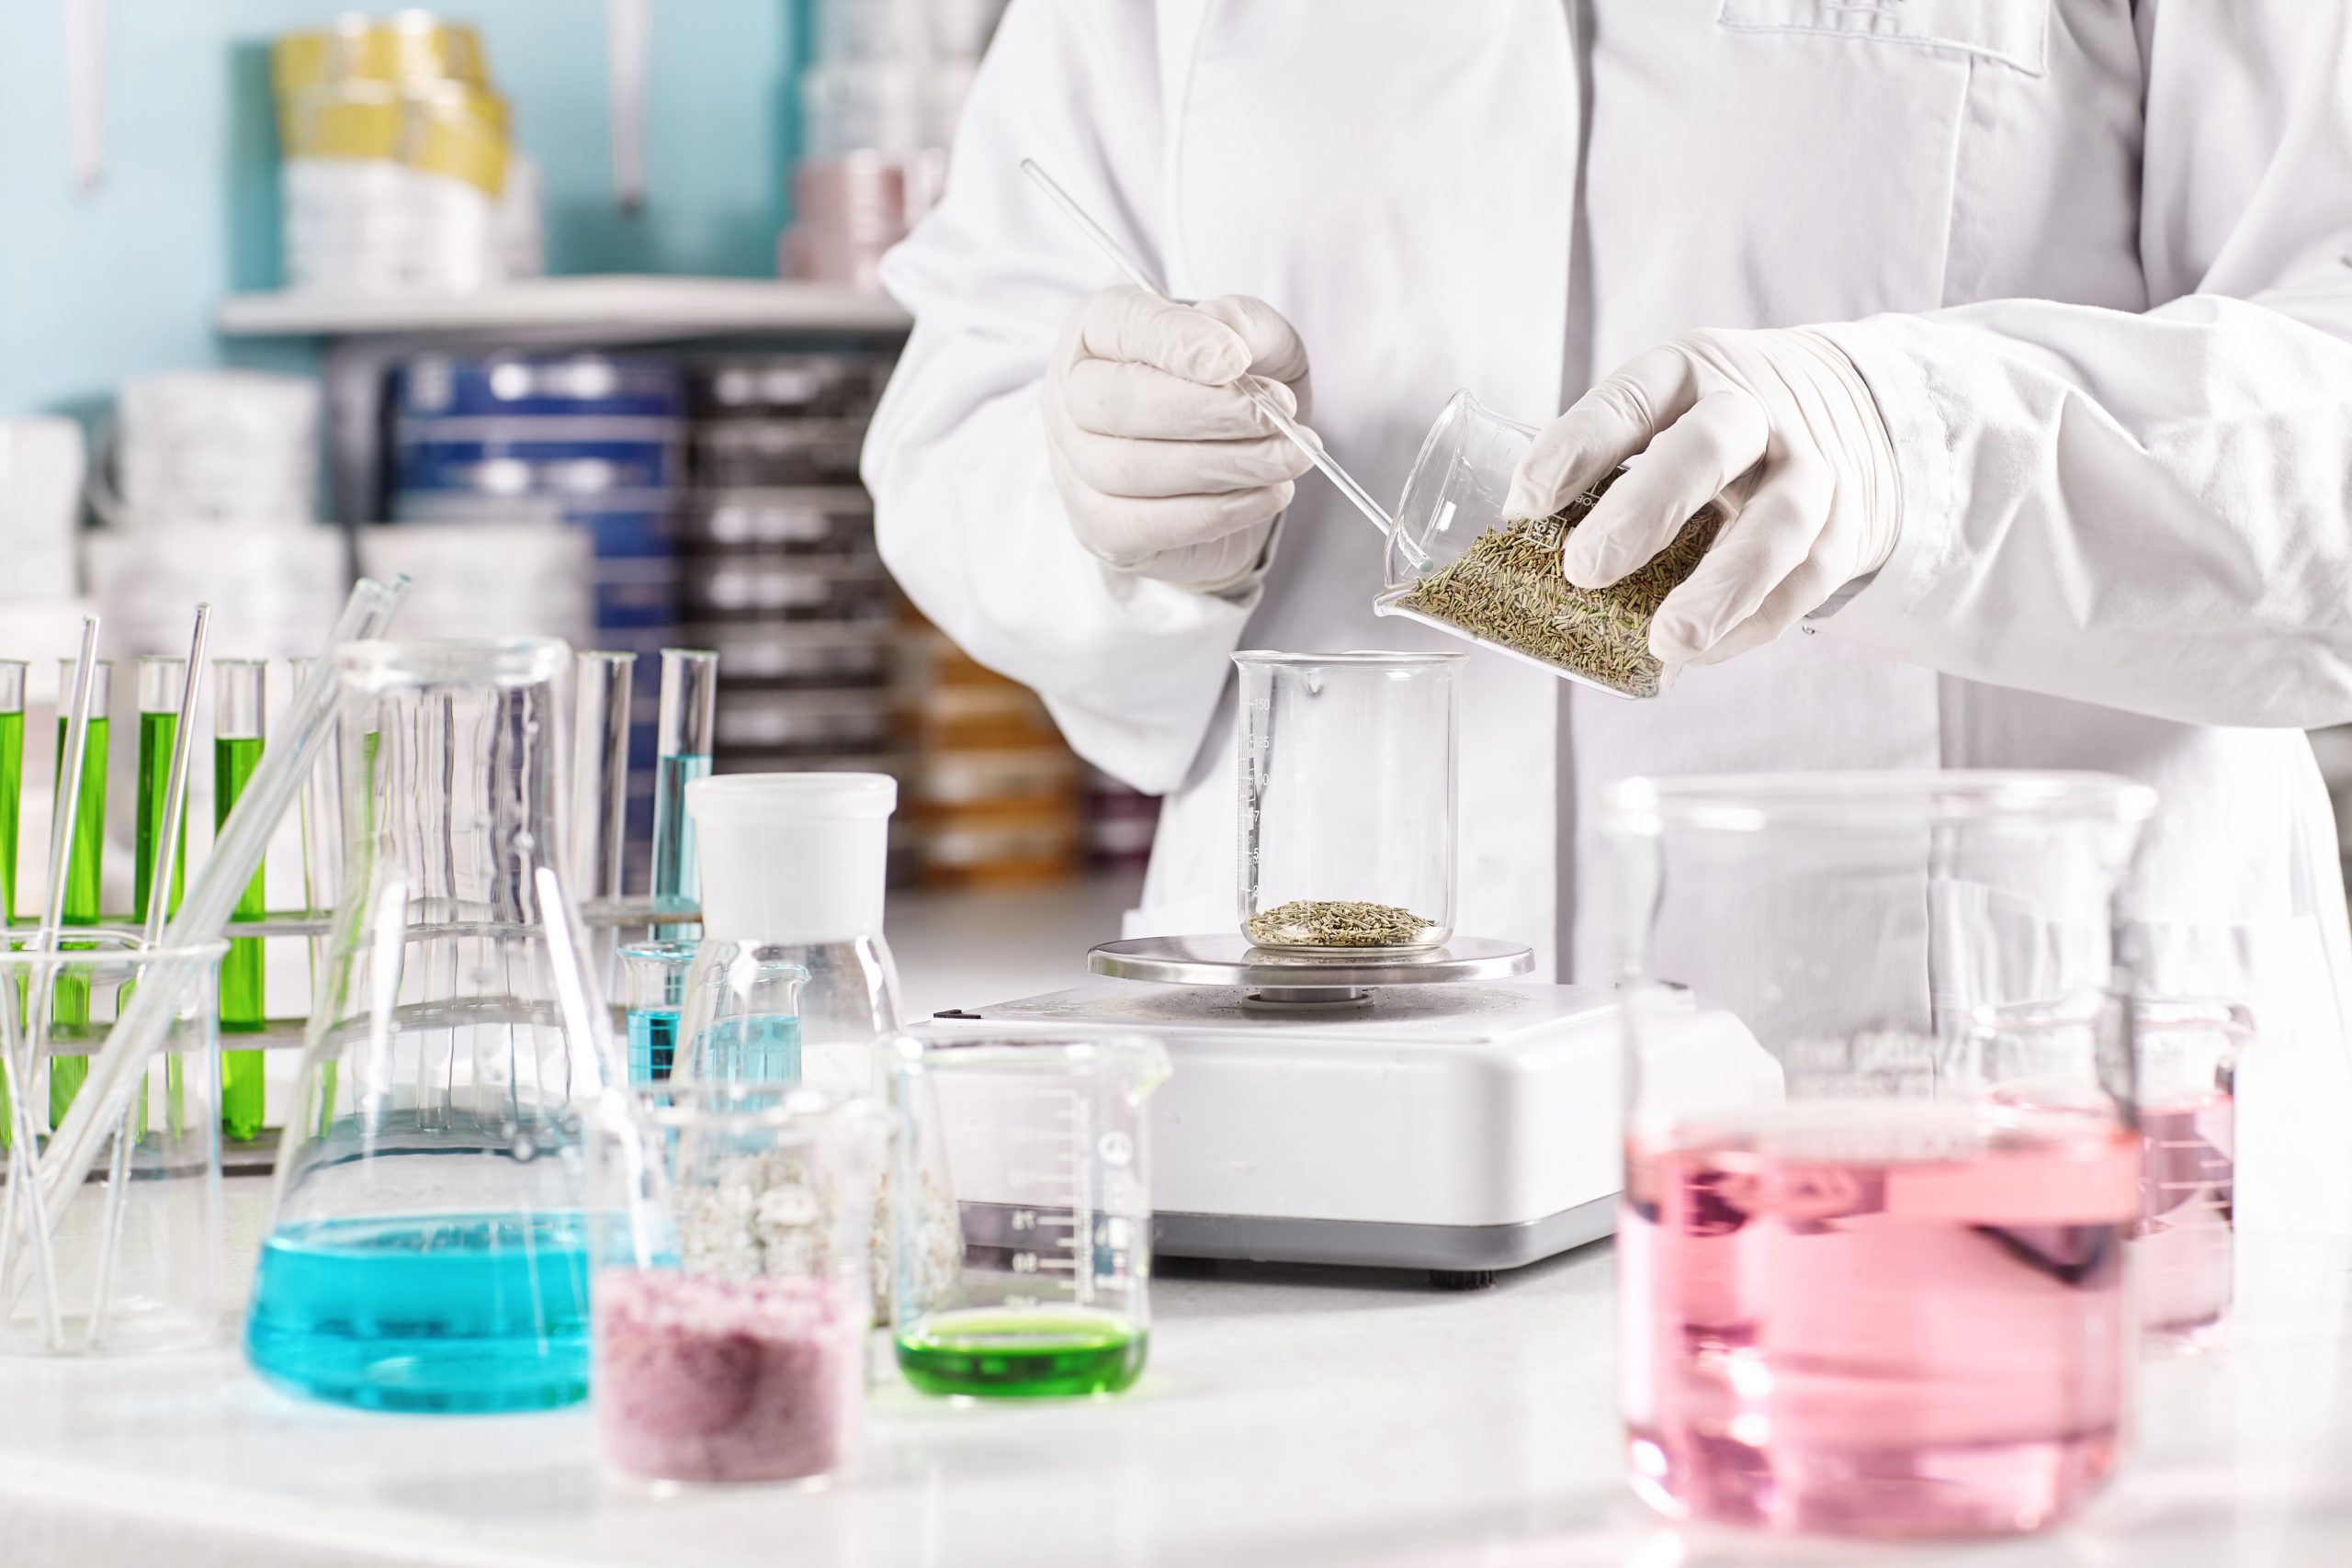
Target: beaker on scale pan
429, 1242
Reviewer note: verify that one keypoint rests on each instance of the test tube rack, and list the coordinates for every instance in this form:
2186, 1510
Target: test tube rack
599, 767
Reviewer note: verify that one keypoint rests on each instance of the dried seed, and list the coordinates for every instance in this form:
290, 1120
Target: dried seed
1506, 587
1313, 922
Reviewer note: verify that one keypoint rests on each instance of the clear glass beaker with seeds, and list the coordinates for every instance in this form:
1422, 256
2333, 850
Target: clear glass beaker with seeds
1347, 800
1457, 563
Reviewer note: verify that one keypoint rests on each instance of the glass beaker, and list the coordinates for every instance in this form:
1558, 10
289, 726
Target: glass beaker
731, 1321
1875, 1283
2186, 1241
1347, 800
428, 1246
133, 1264
1043, 1290
740, 1022
1457, 563
655, 974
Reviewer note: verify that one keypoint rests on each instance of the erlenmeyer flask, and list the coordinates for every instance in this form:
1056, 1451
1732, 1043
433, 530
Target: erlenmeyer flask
427, 1246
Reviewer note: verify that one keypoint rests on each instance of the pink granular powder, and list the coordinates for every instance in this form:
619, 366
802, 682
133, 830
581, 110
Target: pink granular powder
706, 1379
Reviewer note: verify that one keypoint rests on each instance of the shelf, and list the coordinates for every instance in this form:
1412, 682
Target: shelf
636, 306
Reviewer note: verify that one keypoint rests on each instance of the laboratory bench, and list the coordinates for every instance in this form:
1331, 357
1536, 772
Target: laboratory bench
1288, 1415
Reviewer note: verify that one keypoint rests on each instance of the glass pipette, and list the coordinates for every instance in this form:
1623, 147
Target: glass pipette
1253, 387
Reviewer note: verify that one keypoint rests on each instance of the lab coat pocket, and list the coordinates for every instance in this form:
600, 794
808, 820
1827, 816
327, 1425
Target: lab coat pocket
2015, 32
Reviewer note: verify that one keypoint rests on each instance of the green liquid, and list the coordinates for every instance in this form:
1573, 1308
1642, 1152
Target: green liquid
156, 733
1016, 1354
12, 781
241, 1010
70, 1016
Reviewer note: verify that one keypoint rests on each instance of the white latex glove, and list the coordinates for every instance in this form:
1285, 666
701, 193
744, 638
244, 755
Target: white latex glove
1778, 424
1165, 467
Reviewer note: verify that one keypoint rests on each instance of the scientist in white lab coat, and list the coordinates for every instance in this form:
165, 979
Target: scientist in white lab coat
2019, 332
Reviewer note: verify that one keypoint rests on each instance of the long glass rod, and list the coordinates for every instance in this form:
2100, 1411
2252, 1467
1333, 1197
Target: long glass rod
70, 1018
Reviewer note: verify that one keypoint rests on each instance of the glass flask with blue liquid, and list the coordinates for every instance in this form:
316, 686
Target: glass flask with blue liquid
429, 1236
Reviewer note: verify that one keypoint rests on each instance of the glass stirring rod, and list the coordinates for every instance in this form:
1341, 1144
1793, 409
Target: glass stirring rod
1253, 386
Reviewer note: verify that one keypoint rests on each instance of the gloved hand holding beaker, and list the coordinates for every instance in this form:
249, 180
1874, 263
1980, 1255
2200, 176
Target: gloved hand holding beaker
1165, 467
1777, 423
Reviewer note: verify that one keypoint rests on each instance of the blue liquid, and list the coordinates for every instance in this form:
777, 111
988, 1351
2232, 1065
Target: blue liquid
677, 881
652, 1044
759, 1050
446, 1312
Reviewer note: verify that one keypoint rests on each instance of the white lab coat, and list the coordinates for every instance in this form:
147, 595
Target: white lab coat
2095, 258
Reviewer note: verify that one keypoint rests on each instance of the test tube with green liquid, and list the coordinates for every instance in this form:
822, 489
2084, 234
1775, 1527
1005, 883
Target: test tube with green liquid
688, 719
240, 692
160, 677
161, 680
70, 1013
12, 778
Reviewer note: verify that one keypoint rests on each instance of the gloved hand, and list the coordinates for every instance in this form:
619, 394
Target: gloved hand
1777, 423
1165, 467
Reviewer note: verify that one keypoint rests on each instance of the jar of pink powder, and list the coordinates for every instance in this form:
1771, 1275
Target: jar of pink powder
731, 1309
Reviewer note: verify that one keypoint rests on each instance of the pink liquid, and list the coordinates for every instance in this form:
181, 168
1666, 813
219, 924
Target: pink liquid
1878, 1318
2186, 1241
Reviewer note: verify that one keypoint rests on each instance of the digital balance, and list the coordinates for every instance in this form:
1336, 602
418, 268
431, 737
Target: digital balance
1413, 1105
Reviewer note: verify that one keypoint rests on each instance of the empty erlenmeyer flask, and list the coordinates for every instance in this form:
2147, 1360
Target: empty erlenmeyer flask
427, 1245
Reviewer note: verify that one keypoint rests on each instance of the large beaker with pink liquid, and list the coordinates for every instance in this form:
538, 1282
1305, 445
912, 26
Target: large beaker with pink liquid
1890, 1296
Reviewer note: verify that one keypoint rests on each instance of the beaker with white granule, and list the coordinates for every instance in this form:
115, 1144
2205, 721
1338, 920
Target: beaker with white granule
1347, 800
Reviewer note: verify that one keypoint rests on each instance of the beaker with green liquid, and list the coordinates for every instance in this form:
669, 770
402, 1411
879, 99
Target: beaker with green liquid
1047, 1142
240, 697
69, 1023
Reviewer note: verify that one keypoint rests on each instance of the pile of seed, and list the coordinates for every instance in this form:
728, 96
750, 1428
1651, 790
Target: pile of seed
1312, 922
1506, 587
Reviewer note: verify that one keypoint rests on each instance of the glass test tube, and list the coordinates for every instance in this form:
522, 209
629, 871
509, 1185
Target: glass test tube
161, 677
322, 814
240, 691
85, 859
602, 684
689, 716
12, 777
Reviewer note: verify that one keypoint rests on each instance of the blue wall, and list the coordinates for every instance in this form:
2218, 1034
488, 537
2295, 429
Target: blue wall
99, 287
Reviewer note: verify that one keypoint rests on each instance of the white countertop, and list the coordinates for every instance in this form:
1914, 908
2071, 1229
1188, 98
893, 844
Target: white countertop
1292, 1417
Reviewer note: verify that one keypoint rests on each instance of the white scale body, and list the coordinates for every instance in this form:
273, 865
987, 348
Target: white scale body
1462, 1128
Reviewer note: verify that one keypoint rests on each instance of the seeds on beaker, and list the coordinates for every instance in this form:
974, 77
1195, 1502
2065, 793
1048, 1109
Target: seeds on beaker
1337, 922
1507, 589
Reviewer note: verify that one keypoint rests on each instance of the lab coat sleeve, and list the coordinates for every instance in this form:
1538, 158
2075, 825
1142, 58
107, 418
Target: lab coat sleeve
2153, 512
967, 516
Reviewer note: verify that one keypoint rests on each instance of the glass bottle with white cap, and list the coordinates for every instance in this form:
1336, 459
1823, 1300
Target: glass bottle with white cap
794, 980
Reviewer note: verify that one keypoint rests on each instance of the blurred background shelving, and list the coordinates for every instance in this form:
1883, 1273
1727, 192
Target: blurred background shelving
572, 312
